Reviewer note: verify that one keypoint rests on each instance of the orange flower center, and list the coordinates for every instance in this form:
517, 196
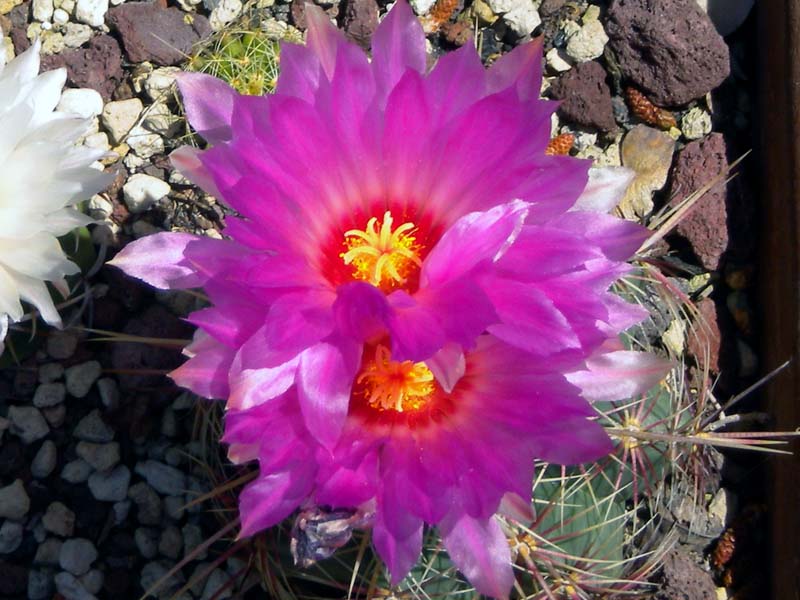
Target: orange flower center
380, 255
394, 385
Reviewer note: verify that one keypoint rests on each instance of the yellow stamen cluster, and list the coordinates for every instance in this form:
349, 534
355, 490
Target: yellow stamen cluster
393, 385
381, 256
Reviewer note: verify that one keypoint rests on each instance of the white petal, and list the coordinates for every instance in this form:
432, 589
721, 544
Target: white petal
9, 296
36, 292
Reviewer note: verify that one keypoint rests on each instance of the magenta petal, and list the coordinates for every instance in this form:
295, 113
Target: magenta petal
618, 239
360, 310
415, 331
397, 536
457, 81
349, 486
208, 102
481, 552
573, 441
324, 382
300, 71
605, 189
397, 45
448, 366
271, 498
619, 375
515, 507
159, 260
522, 68
474, 238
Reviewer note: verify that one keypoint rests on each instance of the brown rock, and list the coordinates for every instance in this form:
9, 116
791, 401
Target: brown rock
705, 227
586, 97
151, 33
360, 21
457, 33
683, 579
98, 66
668, 48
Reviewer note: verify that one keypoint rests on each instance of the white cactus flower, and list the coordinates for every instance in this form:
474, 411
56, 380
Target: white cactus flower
43, 174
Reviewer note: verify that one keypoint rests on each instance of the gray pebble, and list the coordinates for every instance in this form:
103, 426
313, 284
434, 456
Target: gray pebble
121, 511
48, 552
62, 344
173, 456
100, 457
109, 392
10, 536
92, 428
81, 377
27, 423
171, 542
76, 471
55, 415
59, 519
50, 372
148, 503
174, 506
40, 584
110, 486
45, 460
77, 556
93, 581
14, 501
169, 423
153, 572
146, 539
192, 538
217, 580
49, 394
165, 479
69, 587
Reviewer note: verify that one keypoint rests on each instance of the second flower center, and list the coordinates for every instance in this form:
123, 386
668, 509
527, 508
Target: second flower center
393, 385
381, 255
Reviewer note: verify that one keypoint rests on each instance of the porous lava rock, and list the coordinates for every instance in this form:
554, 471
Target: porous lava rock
683, 579
97, 66
705, 227
159, 35
668, 48
585, 96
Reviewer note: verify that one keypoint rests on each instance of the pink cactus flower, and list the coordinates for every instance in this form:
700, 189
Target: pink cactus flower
414, 303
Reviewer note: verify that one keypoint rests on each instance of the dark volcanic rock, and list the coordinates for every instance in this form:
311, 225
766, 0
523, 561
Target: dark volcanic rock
685, 580
14, 580
705, 227
155, 34
586, 97
360, 21
98, 66
668, 48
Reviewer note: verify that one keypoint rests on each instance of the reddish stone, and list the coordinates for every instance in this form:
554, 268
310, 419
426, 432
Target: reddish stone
586, 97
152, 33
705, 226
668, 48
360, 21
98, 66
683, 579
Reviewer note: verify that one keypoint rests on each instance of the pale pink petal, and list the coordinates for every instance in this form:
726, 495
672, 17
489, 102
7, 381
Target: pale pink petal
474, 238
515, 507
323, 38
617, 239
208, 103
619, 375
605, 189
300, 72
481, 552
253, 387
205, 373
187, 160
448, 366
160, 261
